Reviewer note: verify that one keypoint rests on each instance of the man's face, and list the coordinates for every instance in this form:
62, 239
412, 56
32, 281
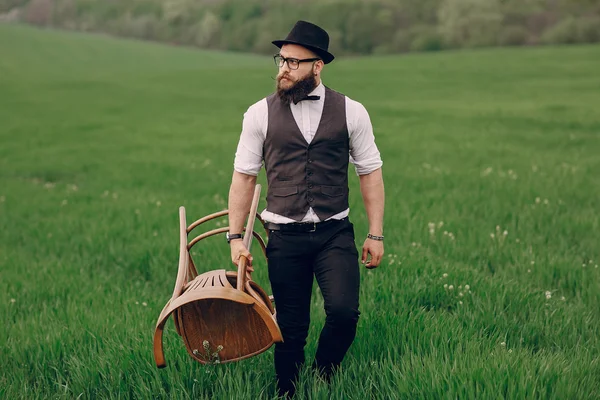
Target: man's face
287, 78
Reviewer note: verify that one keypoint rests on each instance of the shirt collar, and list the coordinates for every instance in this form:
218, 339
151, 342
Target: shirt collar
318, 91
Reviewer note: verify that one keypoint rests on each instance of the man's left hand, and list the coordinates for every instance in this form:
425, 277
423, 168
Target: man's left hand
374, 249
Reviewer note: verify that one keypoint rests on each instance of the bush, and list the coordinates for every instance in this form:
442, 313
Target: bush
144, 27
401, 41
588, 30
470, 23
513, 36
207, 31
7, 6
563, 32
427, 40
39, 12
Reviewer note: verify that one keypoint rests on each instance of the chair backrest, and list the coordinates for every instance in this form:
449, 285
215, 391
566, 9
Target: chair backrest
222, 316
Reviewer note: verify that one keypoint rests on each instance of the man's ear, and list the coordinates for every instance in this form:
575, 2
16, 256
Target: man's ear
318, 67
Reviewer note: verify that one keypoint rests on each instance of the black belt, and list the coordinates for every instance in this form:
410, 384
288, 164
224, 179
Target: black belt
302, 226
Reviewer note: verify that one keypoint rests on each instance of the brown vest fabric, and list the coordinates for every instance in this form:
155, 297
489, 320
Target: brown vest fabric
302, 175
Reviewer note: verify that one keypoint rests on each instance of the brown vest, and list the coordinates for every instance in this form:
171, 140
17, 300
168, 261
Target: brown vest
302, 175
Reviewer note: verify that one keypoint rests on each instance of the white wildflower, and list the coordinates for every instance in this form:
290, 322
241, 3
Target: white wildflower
460, 302
451, 287
505, 233
503, 344
445, 286
492, 235
158, 204
64, 202
467, 287
537, 200
460, 294
563, 298
115, 195
144, 304
13, 300
445, 275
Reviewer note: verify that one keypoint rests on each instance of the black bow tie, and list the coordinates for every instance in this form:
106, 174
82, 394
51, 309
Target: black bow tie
307, 98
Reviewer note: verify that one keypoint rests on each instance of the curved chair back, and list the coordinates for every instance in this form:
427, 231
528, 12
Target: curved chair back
222, 316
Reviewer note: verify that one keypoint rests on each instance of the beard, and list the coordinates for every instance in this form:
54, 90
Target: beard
298, 90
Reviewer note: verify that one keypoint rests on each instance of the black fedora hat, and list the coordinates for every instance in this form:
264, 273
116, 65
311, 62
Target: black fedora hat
310, 36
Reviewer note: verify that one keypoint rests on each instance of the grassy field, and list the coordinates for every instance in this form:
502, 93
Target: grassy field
490, 287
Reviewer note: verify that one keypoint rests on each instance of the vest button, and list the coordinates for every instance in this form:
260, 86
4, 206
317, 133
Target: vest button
309, 173
309, 160
310, 186
310, 199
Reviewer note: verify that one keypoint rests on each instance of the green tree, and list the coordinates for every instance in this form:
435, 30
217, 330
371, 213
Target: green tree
470, 22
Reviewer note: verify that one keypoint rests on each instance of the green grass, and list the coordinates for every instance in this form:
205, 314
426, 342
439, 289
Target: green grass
102, 140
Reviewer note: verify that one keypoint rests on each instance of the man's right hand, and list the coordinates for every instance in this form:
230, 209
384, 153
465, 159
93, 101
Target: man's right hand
238, 249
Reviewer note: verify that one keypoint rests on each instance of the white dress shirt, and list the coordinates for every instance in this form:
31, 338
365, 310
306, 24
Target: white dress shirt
307, 114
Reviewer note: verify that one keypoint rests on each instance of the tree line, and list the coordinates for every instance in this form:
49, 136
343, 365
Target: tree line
355, 26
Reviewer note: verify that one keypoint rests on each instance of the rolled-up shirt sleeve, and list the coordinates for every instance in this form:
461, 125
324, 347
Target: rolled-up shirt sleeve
249, 154
364, 153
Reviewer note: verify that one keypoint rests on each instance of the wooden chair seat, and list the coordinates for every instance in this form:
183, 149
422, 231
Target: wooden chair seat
222, 316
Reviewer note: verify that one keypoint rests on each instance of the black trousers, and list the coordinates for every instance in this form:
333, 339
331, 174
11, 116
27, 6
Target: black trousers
330, 255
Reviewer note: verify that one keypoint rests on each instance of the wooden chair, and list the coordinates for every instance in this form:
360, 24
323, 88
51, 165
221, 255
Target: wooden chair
222, 316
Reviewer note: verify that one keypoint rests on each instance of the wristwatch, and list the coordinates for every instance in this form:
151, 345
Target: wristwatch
231, 236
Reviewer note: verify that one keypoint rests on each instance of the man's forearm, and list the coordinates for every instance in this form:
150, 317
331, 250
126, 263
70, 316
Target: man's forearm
241, 193
371, 187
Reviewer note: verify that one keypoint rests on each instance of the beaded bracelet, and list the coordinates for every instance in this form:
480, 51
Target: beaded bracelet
379, 238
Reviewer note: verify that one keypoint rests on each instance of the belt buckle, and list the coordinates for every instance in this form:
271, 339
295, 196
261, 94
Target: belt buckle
314, 228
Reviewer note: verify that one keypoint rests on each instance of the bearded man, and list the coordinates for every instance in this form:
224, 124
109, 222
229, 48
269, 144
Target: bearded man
306, 134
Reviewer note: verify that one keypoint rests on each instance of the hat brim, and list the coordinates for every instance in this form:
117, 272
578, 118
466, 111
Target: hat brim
326, 56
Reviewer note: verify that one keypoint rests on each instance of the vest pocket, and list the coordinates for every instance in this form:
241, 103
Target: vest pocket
332, 191
284, 191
